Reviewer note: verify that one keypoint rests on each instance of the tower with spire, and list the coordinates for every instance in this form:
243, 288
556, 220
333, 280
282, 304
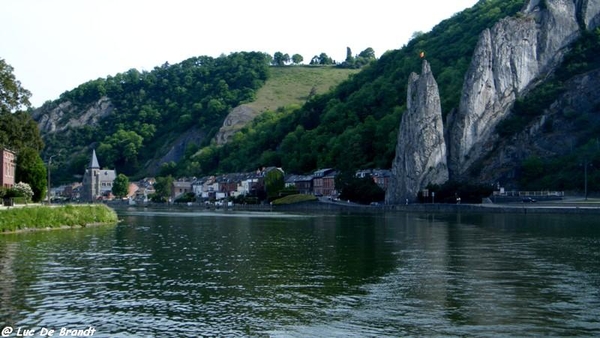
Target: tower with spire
97, 183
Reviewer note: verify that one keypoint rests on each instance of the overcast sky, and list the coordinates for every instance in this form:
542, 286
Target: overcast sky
56, 45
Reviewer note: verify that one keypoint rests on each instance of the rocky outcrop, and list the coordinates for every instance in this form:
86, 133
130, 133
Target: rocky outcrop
555, 133
234, 122
65, 115
508, 60
421, 149
175, 150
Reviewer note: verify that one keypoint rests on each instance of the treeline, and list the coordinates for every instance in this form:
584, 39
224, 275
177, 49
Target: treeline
355, 125
351, 61
153, 107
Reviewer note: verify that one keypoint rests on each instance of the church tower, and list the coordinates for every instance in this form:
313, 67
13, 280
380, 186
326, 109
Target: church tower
90, 189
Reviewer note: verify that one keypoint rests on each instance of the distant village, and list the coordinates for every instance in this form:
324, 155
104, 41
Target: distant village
97, 185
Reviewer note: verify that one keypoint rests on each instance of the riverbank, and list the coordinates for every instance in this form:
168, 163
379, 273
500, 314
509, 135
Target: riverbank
29, 218
565, 206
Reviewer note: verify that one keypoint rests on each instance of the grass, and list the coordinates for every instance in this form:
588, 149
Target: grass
291, 85
42, 217
292, 199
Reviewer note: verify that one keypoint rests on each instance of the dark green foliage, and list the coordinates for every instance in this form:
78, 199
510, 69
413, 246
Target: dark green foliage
155, 106
186, 198
564, 173
31, 170
13, 97
120, 186
163, 188
274, 183
355, 125
18, 130
360, 190
297, 59
450, 191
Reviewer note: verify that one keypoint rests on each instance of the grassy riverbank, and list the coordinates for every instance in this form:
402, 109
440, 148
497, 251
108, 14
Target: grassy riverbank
41, 217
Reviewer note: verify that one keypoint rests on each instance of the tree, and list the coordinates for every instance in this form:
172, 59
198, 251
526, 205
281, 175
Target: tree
297, 59
163, 188
13, 97
278, 59
31, 170
18, 130
121, 149
362, 190
368, 53
121, 186
274, 183
324, 59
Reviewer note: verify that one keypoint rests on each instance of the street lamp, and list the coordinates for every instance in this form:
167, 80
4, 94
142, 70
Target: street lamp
585, 167
49, 164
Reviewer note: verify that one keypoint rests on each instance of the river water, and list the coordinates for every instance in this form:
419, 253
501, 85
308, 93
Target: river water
217, 274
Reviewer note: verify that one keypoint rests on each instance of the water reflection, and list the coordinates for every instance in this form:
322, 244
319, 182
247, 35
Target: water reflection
160, 274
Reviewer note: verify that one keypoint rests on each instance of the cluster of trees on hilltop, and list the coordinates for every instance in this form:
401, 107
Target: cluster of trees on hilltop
151, 108
355, 125
19, 133
352, 61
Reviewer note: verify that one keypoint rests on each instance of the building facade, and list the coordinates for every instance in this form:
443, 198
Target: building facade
97, 183
8, 163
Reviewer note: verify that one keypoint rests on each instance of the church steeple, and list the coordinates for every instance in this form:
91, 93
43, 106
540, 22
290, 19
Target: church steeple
94, 163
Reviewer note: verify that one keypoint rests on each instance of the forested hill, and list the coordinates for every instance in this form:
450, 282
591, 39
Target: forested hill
355, 125
128, 118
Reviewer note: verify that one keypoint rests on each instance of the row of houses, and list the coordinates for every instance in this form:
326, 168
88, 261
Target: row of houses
320, 183
97, 184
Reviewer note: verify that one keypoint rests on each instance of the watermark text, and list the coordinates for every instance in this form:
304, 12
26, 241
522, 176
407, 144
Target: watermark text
20, 331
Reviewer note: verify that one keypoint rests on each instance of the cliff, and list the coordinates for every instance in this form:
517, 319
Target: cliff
509, 59
551, 135
66, 115
421, 148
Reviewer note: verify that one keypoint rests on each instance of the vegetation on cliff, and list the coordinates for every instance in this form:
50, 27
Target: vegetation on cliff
152, 107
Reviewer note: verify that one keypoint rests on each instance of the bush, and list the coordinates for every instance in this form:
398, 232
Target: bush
292, 199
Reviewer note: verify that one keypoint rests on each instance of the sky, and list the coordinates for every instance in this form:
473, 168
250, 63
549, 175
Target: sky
56, 45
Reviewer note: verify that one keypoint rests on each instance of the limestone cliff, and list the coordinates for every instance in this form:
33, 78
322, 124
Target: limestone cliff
65, 115
507, 61
555, 133
236, 120
421, 148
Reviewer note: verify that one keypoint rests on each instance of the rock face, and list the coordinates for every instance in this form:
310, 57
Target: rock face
421, 149
507, 61
65, 115
555, 133
235, 120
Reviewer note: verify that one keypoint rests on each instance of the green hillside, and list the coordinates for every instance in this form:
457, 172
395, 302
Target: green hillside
291, 85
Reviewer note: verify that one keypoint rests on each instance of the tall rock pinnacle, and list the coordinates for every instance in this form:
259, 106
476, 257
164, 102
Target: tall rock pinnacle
421, 148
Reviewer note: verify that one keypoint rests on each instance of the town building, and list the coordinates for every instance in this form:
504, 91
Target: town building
303, 183
8, 164
324, 182
97, 183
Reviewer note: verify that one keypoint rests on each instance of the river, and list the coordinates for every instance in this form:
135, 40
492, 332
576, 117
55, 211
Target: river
243, 274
